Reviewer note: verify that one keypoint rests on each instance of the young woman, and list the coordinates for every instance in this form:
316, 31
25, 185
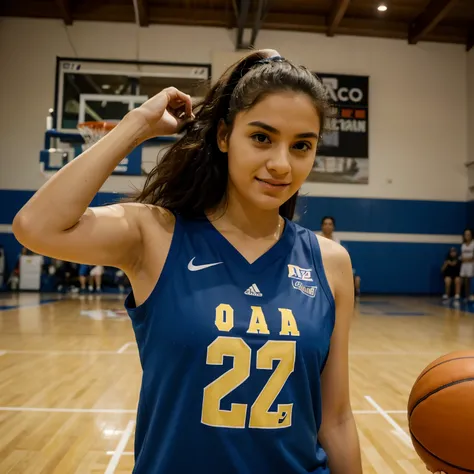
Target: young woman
241, 316
467, 265
451, 269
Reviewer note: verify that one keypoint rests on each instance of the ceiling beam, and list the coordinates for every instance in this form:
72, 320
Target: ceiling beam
336, 14
470, 40
262, 10
434, 13
66, 10
141, 12
235, 7
274, 20
292, 22
243, 9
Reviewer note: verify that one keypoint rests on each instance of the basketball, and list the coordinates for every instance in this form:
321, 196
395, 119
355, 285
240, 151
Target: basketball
441, 413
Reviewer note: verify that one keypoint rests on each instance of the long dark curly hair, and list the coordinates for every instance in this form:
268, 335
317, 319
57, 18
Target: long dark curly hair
192, 176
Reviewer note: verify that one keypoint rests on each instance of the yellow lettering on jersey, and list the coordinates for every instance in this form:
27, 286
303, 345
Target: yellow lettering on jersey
257, 325
260, 414
224, 317
212, 413
288, 323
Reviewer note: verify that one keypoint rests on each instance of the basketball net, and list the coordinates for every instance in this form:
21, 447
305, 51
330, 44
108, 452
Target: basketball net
92, 132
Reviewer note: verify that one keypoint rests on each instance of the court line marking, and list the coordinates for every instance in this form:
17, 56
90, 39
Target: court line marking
114, 461
125, 347
29, 305
121, 411
125, 453
3, 353
40, 352
376, 412
395, 353
397, 429
69, 410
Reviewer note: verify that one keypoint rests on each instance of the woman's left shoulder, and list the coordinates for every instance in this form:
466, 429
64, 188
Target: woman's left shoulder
337, 263
333, 253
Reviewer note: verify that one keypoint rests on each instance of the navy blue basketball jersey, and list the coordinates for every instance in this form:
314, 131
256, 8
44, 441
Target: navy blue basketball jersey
232, 353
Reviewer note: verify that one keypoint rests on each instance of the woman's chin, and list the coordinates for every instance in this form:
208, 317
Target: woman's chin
267, 202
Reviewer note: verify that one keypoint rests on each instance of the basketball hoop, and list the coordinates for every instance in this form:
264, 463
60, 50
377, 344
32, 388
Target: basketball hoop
92, 132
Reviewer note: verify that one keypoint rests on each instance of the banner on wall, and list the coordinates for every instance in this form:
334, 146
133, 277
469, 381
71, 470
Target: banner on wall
343, 154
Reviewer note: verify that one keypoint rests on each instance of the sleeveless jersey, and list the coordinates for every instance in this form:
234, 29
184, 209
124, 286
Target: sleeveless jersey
232, 353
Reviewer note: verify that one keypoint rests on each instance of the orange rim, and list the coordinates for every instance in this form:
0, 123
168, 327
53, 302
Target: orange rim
107, 126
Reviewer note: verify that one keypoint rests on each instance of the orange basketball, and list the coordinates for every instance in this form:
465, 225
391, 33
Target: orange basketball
441, 414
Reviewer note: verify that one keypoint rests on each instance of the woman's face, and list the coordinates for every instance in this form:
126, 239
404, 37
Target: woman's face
271, 149
468, 235
327, 227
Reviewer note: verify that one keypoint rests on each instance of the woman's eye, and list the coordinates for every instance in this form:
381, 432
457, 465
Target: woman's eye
302, 146
260, 138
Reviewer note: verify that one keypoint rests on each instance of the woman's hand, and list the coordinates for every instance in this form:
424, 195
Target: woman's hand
164, 114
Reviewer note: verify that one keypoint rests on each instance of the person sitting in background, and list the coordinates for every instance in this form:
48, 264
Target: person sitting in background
451, 269
66, 274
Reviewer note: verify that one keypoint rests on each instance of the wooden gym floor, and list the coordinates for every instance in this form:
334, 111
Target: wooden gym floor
70, 375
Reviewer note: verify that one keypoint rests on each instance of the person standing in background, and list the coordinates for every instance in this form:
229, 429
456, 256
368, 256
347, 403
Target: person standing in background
467, 265
328, 225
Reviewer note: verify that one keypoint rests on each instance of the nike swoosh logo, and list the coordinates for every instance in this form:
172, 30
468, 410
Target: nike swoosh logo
196, 268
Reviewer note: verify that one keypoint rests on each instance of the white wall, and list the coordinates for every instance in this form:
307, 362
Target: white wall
470, 120
418, 96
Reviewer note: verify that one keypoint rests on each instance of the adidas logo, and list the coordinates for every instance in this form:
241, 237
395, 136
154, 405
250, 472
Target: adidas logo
253, 291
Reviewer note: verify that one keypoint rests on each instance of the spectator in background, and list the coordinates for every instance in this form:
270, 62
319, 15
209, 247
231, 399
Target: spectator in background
66, 273
91, 274
356, 282
467, 263
121, 281
84, 275
328, 226
96, 277
451, 269
14, 280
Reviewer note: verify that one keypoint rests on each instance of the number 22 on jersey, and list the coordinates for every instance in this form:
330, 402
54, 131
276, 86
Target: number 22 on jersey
235, 347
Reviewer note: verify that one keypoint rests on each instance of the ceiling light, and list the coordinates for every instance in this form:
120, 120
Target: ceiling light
105, 86
382, 7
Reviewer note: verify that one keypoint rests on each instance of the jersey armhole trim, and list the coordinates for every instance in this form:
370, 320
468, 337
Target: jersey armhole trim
136, 312
319, 266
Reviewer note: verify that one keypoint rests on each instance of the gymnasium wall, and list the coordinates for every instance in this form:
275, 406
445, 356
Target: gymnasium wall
415, 201
470, 136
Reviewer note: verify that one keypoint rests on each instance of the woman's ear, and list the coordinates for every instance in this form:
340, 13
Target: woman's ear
222, 136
